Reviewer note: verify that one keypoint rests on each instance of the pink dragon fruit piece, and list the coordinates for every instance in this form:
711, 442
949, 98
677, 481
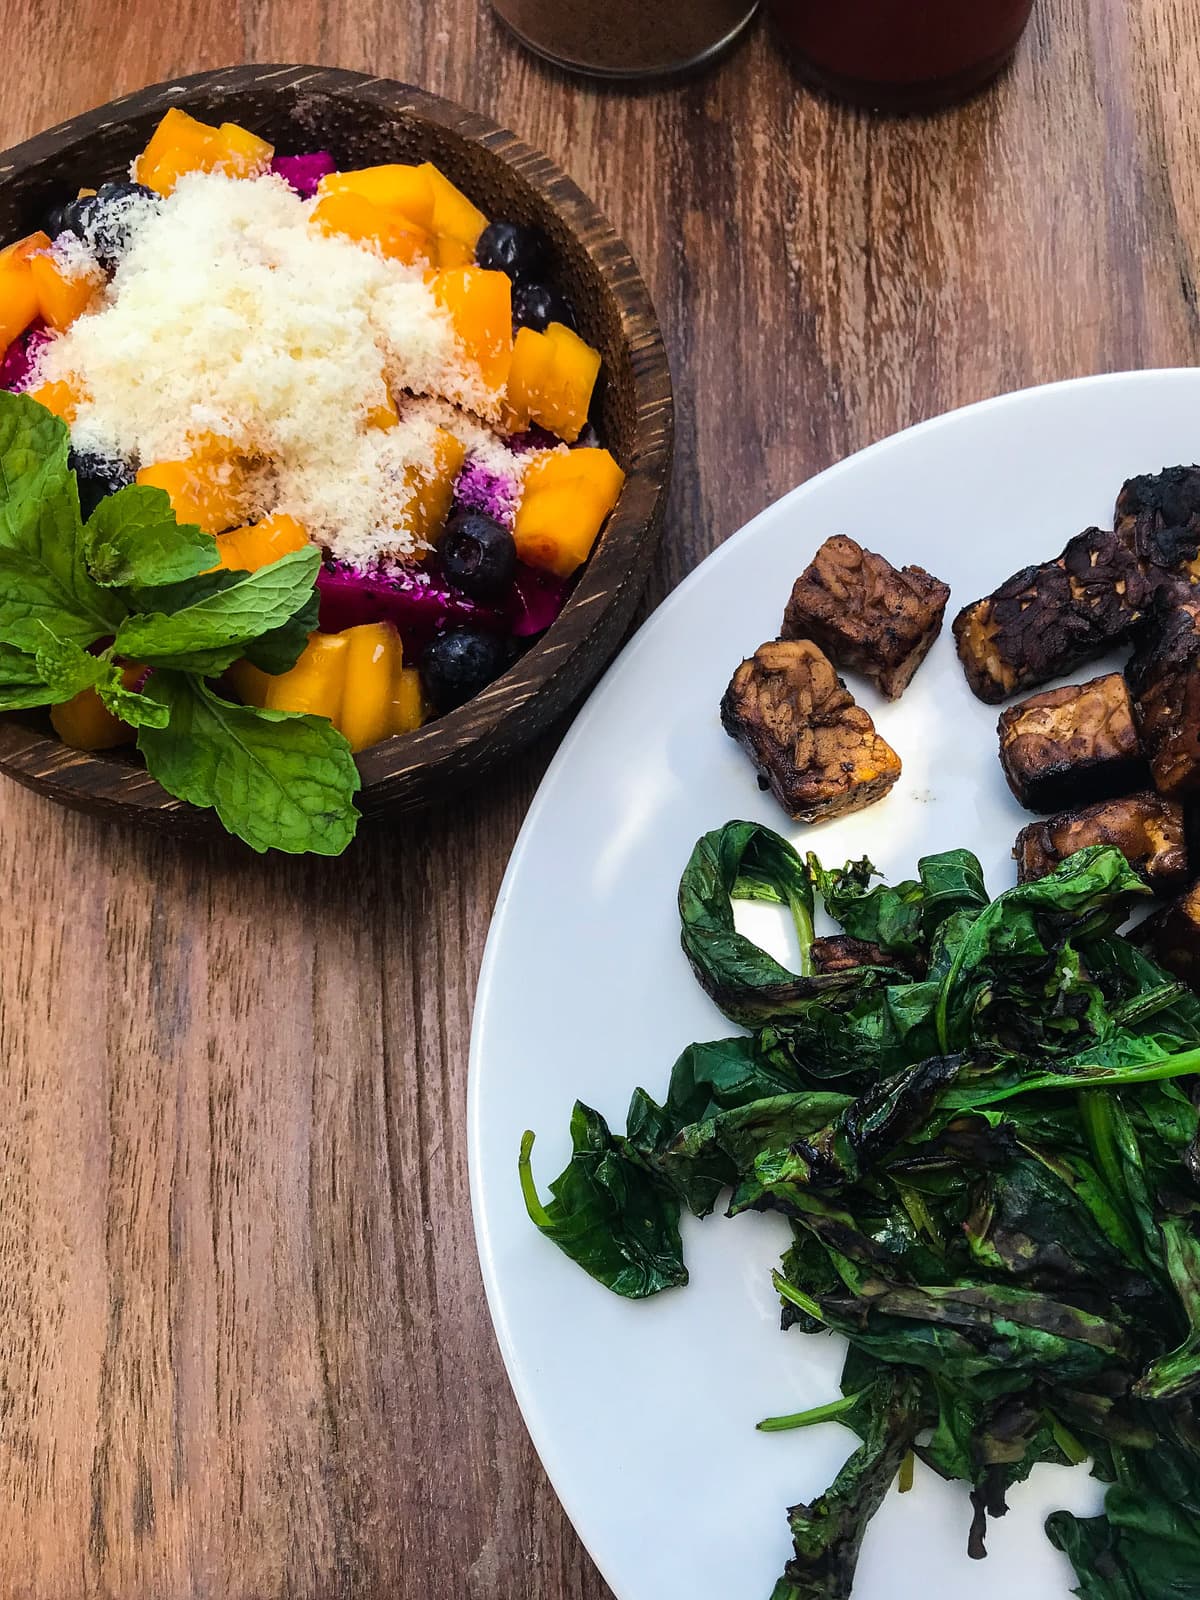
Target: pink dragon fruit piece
305, 172
536, 599
494, 493
21, 357
419, 605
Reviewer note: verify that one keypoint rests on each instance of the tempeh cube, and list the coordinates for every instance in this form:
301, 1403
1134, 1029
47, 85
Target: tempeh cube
1047, 619
814, 748
1145, 828
867, 614
1158, 515
1164, 676
1172, 937
1069, 746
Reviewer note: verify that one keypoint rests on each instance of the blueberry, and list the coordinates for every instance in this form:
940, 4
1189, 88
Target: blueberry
56, 221
478, 554
508, 247
535, 306
102, 220
456, 666
97, 477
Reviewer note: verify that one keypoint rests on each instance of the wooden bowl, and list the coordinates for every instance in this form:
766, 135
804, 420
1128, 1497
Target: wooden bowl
364, 121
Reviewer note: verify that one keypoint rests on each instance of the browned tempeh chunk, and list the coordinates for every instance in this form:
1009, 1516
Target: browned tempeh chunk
1164, 676
1045, 620
867, 614
1067, 746
1158, 516
1172, 937
1145, 828
814, 748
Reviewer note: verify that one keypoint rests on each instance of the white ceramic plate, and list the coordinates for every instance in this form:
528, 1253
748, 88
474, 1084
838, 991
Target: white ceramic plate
644, 1413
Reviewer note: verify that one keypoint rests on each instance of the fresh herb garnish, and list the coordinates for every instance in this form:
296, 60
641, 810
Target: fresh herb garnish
78, 601
992, 1175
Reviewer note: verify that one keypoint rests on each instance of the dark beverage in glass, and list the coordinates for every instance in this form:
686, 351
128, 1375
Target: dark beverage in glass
901, 55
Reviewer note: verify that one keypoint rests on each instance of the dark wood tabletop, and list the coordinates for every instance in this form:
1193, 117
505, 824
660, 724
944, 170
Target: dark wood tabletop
244, 1351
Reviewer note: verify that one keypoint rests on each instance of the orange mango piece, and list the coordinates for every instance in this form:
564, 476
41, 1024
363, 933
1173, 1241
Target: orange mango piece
454, 216
479, 304
257, 545
208, 488
433, 491
384, 415
18, 292
551, 379
62, 296
342, 212
357, 679
566, 497
86, 723
242, 153
407, 711
407, 191
374, 658
61, 398
179, 144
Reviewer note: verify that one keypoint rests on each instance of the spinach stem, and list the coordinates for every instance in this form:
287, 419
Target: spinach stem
797, 1297
537, 1211
829, 1412
1180, 1065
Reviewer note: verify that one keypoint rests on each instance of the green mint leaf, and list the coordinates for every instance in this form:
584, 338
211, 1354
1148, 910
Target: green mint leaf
17, 666
26, 696
132, 537
133, 706
204, 618
278, 780
33, 600
41, 534
67, 670
279, 650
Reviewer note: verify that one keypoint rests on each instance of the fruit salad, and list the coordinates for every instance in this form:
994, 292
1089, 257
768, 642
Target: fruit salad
275, 384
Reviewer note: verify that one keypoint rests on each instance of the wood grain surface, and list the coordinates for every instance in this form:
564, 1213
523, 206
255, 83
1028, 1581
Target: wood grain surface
244, 1352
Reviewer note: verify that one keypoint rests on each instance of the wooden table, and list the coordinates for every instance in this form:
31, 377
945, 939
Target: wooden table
244, 1351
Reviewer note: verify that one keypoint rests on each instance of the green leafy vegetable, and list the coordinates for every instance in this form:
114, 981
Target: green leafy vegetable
279, 780
989, 1156
81, 605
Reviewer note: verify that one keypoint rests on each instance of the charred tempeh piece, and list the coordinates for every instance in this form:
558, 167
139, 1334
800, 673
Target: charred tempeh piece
1145, 828
866, 614
814, 748
1172, 937
1158, 515
1164, 677
1068, 746
1045, 620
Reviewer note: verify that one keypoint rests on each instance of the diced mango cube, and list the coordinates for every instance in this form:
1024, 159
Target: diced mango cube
356, 678
453, 214
566, 496
209, 488
355, 218
551, 379
62, 398
373, 661
433, 490
18, 292
408, 703
479, 304
407, 191
86, 723
257, 545
62, 296
179, 144
242, 154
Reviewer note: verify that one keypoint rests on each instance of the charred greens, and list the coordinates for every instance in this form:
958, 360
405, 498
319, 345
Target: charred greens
987, 1146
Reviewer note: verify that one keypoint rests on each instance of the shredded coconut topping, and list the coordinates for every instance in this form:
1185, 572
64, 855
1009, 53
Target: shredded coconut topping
230, 316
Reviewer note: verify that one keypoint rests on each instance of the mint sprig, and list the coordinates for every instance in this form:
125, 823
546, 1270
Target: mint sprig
133, 584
